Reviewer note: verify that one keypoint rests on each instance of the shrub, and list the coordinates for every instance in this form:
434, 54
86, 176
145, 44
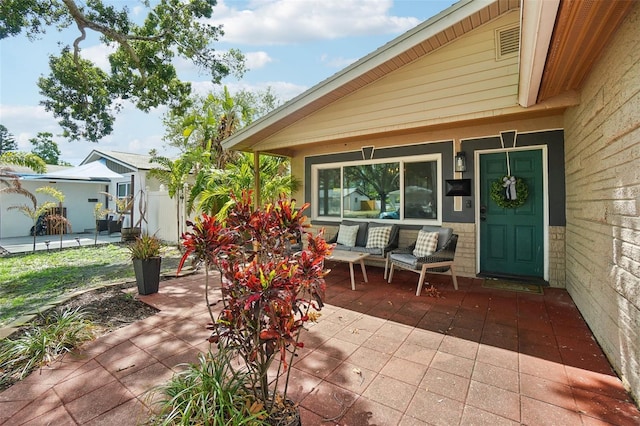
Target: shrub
145, 247
268, 290
209, 392
41, 344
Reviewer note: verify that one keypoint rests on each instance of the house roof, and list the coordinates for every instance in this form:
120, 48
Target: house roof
23, 170
90, 172
95, 170
580, 23
131, 161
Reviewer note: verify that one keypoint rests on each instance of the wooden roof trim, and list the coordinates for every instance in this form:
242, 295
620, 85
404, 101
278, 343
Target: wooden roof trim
588, 24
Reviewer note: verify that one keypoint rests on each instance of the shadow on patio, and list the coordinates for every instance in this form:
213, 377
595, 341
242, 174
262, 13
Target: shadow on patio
472, 356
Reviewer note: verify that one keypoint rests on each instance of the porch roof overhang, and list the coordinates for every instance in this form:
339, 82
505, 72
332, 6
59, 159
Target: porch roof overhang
551, 68
560, 42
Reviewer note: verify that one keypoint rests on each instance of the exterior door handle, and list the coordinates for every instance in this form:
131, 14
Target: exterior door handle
483, 218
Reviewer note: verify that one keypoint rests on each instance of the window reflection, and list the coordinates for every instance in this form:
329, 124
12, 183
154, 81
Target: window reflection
419, 187
394, 190
367, 188
329, 192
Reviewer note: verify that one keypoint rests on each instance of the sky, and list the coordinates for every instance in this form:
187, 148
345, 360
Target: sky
289, 45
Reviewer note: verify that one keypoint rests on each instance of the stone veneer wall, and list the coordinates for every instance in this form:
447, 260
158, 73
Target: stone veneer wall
602, 154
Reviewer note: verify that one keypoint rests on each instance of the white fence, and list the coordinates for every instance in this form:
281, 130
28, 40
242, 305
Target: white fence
166, 217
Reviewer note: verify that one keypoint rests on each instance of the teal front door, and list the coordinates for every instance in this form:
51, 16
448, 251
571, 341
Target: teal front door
512, 239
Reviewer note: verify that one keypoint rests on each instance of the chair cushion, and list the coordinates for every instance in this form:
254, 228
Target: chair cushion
378, 237
406, 260
361, 239
444, 234
347, 235
426, 243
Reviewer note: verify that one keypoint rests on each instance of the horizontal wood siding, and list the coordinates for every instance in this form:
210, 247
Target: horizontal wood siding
460, 80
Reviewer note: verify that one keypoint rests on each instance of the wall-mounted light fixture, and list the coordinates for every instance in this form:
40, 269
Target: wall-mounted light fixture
461, 162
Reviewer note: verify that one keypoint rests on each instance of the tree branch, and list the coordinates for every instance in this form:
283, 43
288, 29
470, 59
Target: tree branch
123, 39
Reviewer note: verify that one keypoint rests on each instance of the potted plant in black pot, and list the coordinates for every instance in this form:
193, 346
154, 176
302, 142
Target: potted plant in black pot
145, 254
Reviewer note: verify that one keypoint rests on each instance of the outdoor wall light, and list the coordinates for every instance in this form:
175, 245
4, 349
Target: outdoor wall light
461, 162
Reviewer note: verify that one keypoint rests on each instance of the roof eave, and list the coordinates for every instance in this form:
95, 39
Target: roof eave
538, 21
430, 27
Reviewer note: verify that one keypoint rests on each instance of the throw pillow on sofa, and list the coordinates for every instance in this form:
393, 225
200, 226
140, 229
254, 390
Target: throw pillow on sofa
347, 235
425, 244
378, 236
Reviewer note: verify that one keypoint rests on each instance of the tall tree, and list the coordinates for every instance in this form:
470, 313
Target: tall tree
45, 148
7, 140
212, 118
85, 98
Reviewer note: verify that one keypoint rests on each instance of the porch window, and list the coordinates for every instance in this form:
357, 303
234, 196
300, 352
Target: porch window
405, 189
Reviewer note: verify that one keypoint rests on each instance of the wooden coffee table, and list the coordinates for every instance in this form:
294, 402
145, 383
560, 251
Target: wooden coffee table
351, 257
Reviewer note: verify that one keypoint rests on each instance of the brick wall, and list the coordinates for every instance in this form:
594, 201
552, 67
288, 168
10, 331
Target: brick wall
557, 256
602, 144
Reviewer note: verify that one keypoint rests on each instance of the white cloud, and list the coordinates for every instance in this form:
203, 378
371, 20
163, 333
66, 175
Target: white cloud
25, 121
257, 60
99, 55
268, 22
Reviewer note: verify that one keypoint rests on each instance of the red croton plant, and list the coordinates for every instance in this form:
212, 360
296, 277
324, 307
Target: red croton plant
269, 291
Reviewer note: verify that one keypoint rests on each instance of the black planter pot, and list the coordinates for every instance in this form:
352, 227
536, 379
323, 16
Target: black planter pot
147, 274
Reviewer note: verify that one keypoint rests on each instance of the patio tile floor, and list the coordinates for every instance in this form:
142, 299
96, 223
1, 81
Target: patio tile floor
378, 355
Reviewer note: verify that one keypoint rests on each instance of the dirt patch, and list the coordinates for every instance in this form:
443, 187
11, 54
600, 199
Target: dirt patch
110, 308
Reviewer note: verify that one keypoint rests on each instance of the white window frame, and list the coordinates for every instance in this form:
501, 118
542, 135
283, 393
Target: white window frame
127, 186
402, 160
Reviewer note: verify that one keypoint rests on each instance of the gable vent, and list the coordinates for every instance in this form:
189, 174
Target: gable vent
507, 42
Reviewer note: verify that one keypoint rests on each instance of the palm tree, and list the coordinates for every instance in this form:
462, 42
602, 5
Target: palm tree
57, 219
32, 210
211, 192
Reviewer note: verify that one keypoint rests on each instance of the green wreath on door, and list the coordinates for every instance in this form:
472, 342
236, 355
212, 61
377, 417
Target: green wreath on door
509, 192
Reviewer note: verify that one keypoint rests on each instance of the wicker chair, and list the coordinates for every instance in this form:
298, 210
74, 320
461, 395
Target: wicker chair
440, 261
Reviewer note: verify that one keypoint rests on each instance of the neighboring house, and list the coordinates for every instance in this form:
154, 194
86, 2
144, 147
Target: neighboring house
546, 91
117, 173
150, 197
80, 185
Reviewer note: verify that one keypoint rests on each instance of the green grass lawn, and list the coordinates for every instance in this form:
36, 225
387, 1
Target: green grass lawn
29, 282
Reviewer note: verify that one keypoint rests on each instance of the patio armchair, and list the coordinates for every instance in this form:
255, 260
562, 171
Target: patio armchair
439, 261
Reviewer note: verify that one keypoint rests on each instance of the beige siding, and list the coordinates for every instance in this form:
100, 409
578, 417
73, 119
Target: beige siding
602, 140
463, 80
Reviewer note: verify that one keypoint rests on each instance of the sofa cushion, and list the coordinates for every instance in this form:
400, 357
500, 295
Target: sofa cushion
443, 234
426, 243
347, 235
361, 239
373, 251
378, 236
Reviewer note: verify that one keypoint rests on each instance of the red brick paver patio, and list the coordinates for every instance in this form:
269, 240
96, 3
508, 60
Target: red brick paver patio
379, 355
